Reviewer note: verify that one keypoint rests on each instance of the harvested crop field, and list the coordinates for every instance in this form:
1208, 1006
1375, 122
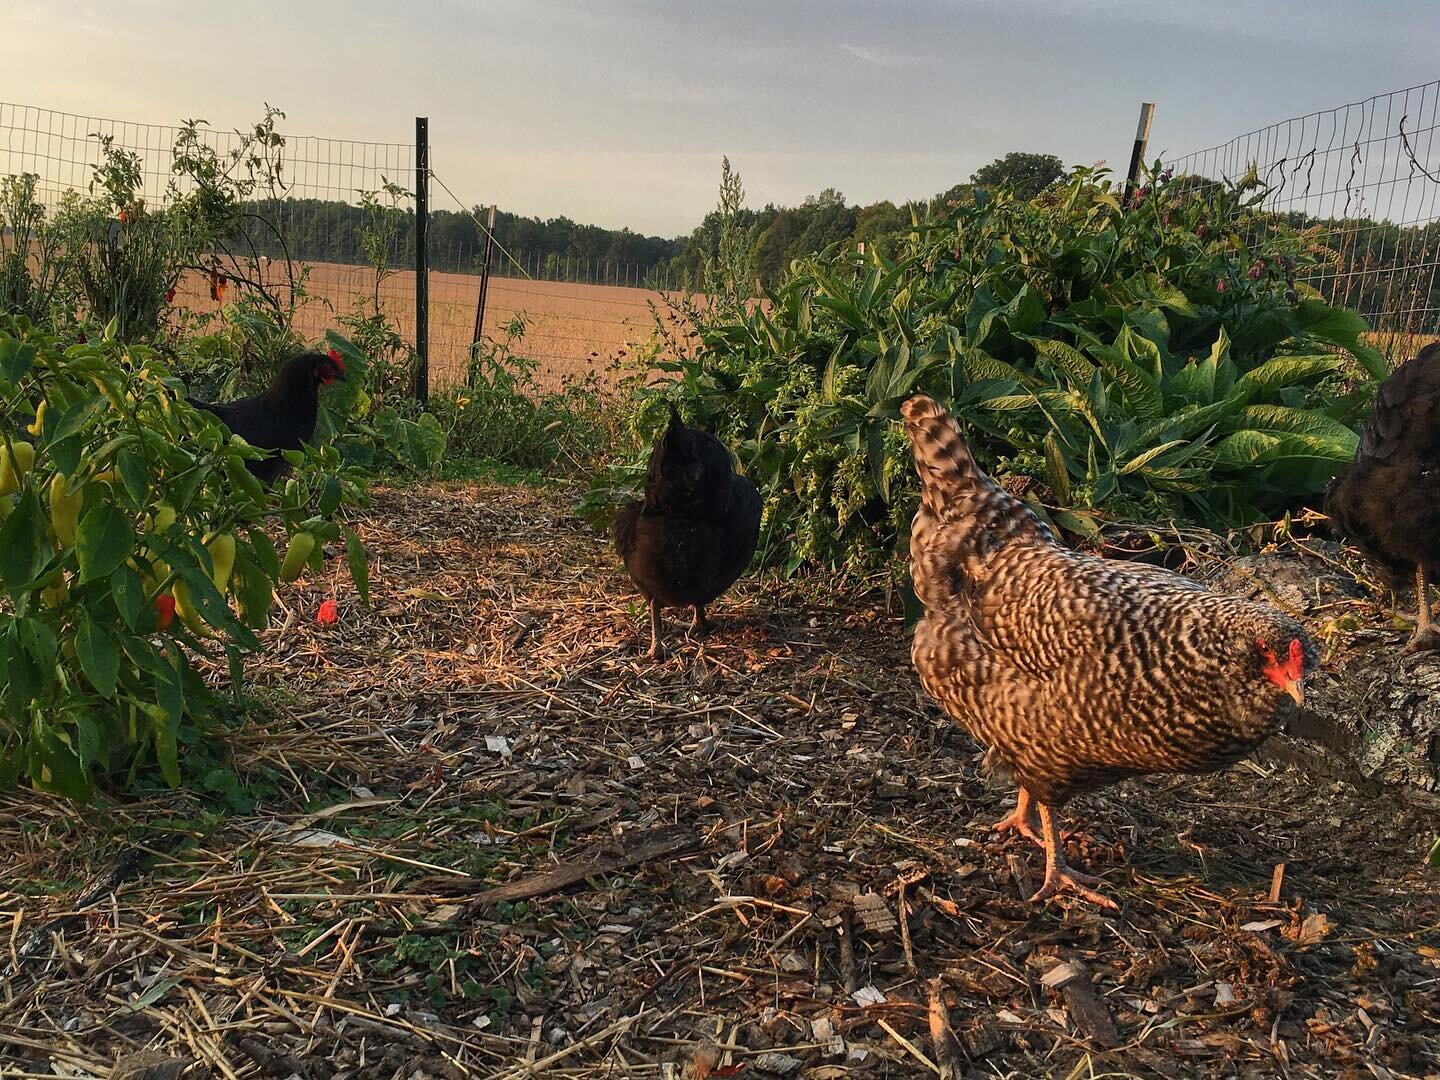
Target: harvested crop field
573, 329
491, 839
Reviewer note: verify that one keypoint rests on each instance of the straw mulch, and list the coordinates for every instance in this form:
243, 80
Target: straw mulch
471, 831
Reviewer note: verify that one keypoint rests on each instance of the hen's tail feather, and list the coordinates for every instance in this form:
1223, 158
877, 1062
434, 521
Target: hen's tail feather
948, 471
962, 509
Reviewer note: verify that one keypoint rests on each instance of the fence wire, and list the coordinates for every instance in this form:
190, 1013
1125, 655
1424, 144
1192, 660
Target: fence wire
1364, 180
578, 315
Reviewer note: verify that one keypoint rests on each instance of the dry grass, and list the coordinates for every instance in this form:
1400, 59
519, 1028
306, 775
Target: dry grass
840, 908
573, 329
1397, 346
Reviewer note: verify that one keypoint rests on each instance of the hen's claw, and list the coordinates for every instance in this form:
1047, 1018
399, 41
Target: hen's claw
1020, 820
1058, 875
1426, 640
1060, 878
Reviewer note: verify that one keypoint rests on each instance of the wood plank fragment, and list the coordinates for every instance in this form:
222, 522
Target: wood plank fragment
657, 844
1086, 1009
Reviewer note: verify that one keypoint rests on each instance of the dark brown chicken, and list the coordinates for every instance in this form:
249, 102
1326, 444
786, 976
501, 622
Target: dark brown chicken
1387, 502
696, 529
283, 417
1077, 671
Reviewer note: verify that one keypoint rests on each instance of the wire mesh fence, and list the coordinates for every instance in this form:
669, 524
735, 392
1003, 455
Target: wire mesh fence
304, 241
1364, 182
1362, 179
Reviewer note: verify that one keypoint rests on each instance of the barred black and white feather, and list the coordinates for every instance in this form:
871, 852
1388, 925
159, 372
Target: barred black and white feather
1075, 671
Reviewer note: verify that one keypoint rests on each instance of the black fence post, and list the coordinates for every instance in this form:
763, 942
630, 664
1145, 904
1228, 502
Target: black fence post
1137, 155
477, 336
422, 259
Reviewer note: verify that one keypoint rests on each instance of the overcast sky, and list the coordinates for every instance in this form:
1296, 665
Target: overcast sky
617, 111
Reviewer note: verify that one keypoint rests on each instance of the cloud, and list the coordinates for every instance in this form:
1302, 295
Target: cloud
886, 58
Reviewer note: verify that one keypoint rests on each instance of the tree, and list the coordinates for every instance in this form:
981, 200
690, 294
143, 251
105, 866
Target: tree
1028, 174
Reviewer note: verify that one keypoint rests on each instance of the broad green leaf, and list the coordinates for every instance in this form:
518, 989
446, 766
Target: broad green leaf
1072, 363
1297, 421
1141, 392
1282, 371
99, 658
359, 564
129, 593
104, 541
1025, 311
16, 358
135, 475
24, 546
1057, 473
1139, 462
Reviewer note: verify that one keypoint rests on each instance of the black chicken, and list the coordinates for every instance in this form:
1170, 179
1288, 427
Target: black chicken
696, 529
283, 417
1387, 502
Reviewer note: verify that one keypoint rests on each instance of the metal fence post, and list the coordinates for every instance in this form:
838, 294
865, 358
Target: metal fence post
422, 259
1137, 155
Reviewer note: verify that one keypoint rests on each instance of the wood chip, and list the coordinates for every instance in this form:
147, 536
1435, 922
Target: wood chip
874, 914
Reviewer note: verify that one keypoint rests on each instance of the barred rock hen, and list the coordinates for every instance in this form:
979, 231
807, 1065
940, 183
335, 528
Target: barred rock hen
1387, 502
696, 529
283, 417
1077, 671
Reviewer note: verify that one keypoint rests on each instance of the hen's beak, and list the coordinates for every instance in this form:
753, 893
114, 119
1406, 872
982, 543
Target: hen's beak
1295, 690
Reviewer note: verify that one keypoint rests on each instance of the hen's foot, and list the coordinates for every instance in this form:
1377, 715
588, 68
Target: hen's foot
1426, 640
700, 625
1020, 820
1062, 879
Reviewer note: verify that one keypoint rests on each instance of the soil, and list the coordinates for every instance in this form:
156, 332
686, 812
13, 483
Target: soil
766, 854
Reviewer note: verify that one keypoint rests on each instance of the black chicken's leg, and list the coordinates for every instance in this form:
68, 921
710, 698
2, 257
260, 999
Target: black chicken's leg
1059, 877
1426, 638
1021, 819
701, 625
654, 629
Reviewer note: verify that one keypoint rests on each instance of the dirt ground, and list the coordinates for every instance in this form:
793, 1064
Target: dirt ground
768, 856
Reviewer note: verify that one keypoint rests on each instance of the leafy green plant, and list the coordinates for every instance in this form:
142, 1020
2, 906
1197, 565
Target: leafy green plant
34, 267
130, 526
503, 412
1151, 361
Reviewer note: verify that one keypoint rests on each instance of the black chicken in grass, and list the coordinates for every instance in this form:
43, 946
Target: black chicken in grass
283, 417
696, 529
1387, 502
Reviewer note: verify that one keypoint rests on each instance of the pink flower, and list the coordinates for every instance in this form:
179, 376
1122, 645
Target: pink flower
1220, 285
329, 613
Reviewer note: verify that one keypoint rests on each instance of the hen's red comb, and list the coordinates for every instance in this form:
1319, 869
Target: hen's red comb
334, 354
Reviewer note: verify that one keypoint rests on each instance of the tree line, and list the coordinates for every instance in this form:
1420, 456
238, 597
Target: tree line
1382, 267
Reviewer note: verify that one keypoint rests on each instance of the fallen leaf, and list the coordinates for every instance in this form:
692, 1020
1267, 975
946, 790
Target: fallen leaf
1313, 930
868, 995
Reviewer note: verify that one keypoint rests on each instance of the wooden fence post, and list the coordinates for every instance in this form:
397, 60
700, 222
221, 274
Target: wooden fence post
1137, 155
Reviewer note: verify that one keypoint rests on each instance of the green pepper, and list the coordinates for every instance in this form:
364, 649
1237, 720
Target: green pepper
65, 507
297, 555
14, 465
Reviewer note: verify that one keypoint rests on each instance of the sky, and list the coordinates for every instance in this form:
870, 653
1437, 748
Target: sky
617, 112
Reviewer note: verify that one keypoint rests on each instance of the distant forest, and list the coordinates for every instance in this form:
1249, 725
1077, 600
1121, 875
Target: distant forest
558, 248
1385, 267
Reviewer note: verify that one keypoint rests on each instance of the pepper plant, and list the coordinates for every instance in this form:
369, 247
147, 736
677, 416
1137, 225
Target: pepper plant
136, 552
